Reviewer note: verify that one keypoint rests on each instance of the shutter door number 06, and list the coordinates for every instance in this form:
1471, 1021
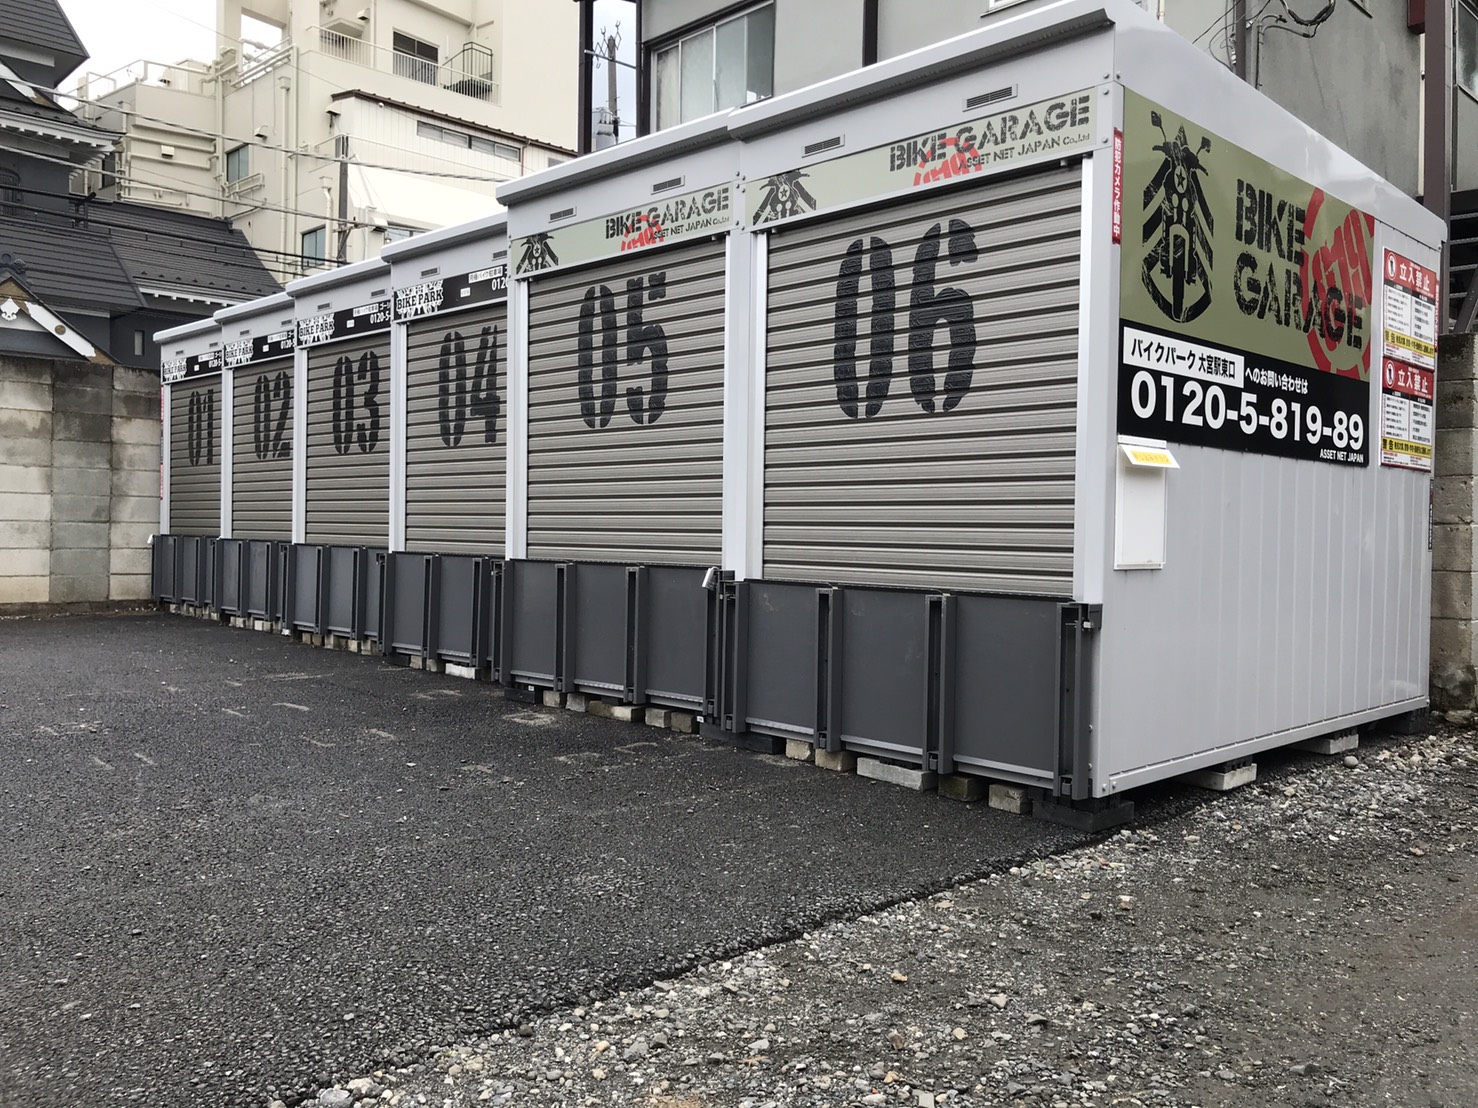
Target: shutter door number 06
928, 309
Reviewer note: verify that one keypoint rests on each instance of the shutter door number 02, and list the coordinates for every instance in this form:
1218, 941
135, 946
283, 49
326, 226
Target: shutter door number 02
598, 310
272, 400
349, 429
928, 309
200, 428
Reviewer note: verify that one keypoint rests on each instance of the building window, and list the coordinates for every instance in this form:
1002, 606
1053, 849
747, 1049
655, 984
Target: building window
1466, 63
717, 68
414, 59
466, 141
138, 344
11, 196
315, 248
394, 232
238, 163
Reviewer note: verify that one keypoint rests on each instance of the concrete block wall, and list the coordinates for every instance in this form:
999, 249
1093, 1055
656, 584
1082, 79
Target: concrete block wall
79, 481
1454, 534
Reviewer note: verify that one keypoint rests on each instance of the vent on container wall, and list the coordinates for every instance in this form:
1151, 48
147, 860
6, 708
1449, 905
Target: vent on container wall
563, 213
245, 332
670, 183
327, 304
432, 272
286, 323
377, 292
994, 97
833, 143
499, 254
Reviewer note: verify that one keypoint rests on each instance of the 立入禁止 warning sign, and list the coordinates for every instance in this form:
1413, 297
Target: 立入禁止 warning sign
1409, 366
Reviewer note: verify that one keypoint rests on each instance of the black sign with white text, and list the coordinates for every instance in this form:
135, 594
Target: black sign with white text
447, 294
174, 370
345, 323
243, 352
1187, 391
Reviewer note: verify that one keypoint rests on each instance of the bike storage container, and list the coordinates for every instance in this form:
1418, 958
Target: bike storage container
194, 432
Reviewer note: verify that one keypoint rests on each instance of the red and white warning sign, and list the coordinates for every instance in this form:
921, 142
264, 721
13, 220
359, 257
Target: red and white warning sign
1408, 367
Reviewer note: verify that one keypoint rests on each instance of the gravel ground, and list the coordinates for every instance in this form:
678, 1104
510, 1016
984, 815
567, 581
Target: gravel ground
1308, 941
236, 868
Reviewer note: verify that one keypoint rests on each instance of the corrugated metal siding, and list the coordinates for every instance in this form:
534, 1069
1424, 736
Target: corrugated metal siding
195, 457
348, 495
979, 497
456, 448
262, 451
648, 492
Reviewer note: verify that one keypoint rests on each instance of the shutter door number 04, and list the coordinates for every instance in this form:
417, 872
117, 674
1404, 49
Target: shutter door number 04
272, 400
598, 309
200, 428
348, 428
453, 404
928, 309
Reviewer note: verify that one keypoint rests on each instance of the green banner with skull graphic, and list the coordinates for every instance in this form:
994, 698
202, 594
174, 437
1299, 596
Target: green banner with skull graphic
1239, 278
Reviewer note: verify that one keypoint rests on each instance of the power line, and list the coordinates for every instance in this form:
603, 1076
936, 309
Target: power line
255, 206
90, 218
258, 144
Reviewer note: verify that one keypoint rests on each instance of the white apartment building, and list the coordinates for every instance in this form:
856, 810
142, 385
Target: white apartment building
325, 128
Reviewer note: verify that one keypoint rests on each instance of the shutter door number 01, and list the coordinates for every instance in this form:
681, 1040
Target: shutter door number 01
928, 309
200, 428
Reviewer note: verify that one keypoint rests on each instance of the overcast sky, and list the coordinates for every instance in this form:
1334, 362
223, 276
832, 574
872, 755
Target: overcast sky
119, 32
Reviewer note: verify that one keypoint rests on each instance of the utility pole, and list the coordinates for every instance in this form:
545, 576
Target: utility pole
1437, 141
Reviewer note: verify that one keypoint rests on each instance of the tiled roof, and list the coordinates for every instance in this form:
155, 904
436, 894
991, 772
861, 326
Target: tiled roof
181, 252
70, 267
43, 23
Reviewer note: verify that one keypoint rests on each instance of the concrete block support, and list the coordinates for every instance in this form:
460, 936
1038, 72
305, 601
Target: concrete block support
1454, 679
909, 777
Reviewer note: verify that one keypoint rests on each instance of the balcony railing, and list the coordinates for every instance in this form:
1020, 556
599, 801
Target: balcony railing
468, 72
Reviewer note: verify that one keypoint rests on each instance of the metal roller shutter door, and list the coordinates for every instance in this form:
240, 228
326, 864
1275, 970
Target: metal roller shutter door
348, 494
195, 457
955, 471
456, 451
643, 484
262, 451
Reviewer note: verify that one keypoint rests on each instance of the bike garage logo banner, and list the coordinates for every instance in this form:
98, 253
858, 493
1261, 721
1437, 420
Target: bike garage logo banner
174, 370
1245, 299
1045, 130
704, 212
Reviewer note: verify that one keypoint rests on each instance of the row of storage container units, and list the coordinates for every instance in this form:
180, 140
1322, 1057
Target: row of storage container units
981, 410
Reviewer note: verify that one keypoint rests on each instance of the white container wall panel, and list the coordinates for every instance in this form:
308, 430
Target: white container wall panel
626, 409
921, 391
195, 408
456, 449
262, 451
348, 463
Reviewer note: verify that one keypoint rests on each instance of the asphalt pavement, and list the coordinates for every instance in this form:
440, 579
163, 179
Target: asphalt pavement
236, 867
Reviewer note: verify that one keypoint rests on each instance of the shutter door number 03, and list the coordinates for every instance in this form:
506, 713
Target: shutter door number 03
271, 402
349, 428
598, 310
453, 403
928, 309
200, 428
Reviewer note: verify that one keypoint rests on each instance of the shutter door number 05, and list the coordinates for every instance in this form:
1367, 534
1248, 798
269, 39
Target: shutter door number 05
200, 428
928, 309
272, 400
453, 404
598, 309
349, 428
